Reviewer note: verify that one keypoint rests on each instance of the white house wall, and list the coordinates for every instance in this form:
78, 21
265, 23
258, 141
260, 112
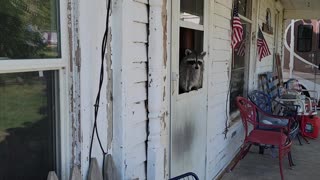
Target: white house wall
220, 151
129, 47
266, 63
123, 117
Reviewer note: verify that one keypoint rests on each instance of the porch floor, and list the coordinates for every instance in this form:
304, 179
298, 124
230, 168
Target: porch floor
264, 167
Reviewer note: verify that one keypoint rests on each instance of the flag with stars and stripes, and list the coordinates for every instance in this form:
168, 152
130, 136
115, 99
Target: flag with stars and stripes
263, 49
237, 29
241, 49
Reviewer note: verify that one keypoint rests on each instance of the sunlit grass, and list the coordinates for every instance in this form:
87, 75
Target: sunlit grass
21, 104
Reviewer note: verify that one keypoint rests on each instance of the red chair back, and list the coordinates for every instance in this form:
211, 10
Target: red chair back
248, 113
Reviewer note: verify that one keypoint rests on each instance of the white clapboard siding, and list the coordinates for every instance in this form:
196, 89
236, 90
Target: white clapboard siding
137, 136
219, 67
222, 10
138, 113
138, 92
139, 32
139, 172
226, 3
138, 73
136, 123
221, 33
222, 55
138, 53
221, 21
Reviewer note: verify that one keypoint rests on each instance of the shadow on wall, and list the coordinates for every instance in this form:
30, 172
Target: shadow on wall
26, 152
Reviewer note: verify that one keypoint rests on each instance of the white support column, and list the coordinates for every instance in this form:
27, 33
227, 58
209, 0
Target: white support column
156, 86
291, 64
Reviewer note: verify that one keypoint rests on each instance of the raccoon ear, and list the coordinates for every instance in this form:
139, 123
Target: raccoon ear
187, 52
203, 54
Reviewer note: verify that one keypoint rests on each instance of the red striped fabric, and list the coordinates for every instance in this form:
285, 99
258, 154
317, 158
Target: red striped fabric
263, 49
237, 29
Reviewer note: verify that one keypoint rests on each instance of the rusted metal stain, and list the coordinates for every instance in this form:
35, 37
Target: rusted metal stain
164, 25
109, 92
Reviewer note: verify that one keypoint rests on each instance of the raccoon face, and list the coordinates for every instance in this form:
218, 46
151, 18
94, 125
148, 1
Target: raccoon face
194, 59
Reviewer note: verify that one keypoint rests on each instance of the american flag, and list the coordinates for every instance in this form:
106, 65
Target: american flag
237, 30
263, 48
241, 49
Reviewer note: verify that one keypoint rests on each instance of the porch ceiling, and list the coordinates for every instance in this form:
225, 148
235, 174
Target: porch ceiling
301, 9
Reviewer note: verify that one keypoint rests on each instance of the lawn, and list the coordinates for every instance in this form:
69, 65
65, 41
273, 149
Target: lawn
20, 104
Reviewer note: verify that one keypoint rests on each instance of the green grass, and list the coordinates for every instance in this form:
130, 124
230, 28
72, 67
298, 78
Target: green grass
20, 104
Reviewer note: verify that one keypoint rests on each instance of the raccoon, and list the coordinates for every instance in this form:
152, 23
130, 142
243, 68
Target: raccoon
191, 71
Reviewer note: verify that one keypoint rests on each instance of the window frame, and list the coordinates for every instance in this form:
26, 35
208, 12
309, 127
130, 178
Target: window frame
235, 114
304, 38
60, 65
198, 27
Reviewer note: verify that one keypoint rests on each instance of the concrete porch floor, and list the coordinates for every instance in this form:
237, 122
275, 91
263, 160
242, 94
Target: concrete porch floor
264, 167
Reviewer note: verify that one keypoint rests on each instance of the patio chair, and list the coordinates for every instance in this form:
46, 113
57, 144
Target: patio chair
264, 103
254, 135
270, 85
186, 176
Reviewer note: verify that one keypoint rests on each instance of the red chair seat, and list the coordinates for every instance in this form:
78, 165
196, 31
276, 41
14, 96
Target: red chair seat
267, 137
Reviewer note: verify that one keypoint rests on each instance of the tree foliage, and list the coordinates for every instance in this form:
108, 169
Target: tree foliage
22, 23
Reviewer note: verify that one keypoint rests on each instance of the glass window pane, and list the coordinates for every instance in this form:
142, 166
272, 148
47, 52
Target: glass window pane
191, 64
305, 33
29, 29
27, 125
244, 8
239, 72
191, 11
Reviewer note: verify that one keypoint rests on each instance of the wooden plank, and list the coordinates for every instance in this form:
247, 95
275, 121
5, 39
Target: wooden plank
219, 67
94, 171
52, 176
138, 73
139, 12
142, 1
222, 55
221, 33
75, 174
138, 92
279, 69
109, 168
222, 10
138, 113
221, 21
218, 78
137, 154
221, 44
138, 172
139, 32
139, 52
137, 134
226, 3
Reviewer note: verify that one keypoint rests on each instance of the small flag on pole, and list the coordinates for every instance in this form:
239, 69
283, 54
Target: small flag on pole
263, 49
237, 29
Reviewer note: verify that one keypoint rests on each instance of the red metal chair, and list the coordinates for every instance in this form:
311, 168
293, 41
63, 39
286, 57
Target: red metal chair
256, 133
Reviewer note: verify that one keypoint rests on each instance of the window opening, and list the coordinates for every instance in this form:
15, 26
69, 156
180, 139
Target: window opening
28, 118
191, 55
241, 57
304, 39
